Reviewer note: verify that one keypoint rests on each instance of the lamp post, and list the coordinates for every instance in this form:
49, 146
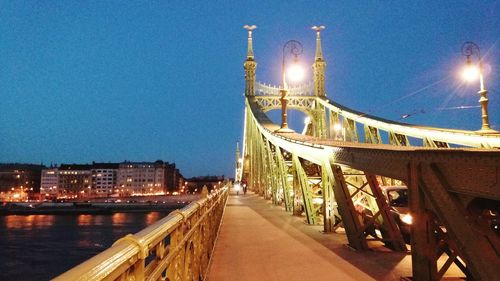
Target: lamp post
296, 73
471, 72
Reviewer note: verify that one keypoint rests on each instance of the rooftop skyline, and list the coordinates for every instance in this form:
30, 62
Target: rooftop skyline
105, 82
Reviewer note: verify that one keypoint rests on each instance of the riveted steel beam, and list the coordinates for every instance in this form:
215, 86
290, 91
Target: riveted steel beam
423, 242
329, 204
351, 219
479, 247
305, 188
272, 173
283, 178
390, 230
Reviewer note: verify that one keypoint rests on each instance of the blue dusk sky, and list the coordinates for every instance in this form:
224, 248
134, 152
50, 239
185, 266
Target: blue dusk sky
108, 81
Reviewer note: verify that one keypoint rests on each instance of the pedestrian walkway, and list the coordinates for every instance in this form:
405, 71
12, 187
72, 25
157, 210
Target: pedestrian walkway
260, 241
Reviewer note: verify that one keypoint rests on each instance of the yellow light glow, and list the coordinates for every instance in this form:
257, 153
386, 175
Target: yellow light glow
295, 73
337, 127
406, 218
470, 73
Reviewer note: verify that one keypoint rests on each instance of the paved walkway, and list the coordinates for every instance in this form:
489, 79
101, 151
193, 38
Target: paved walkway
260, 241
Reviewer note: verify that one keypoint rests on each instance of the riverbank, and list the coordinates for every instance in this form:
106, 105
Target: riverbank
98, 206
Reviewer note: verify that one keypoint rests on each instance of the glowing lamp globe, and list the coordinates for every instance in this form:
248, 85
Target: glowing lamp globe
470, 73
295, 73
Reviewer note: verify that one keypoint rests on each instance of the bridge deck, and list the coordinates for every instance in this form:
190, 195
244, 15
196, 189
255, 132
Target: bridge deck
260, 241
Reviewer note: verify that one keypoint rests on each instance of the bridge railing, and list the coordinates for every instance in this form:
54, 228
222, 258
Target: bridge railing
177, 247
262, 89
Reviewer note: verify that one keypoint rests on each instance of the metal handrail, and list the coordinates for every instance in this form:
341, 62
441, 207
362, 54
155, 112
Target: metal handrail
177, 246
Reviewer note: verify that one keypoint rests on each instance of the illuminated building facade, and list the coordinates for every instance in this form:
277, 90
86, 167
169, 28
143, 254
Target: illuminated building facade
75, 181
104, 179
49, 183
19, 182
141, 178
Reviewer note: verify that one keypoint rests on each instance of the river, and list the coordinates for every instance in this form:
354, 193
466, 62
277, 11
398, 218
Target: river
40, 247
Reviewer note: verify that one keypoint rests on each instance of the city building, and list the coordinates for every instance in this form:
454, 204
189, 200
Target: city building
141, 178
104, 179
173, 178
75, 181
19, 182
194, 185
49, 183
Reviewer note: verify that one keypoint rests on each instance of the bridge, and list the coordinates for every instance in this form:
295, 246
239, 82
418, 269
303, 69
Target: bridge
333, 175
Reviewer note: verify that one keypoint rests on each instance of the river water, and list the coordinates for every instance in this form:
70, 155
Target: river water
40, 247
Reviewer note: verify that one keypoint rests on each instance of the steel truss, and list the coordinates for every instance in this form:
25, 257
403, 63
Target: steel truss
328, 173
325, 181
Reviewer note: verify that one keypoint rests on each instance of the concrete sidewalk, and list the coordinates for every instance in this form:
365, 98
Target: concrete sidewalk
260, 241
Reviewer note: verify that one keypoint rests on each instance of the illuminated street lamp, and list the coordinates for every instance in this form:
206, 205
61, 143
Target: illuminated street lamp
295, 73
339, 134
471, 73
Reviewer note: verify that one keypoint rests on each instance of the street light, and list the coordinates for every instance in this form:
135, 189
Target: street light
471, 73
295, 73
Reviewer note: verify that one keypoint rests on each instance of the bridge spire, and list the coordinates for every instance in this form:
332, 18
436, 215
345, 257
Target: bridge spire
319, 52
319, 64
250, 65
250, 28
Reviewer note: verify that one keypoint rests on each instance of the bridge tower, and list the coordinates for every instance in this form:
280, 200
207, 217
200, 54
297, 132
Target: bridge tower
319, 66
249, 163
250, 64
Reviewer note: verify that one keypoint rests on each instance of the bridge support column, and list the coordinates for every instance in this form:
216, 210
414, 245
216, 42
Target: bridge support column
297, 192
305, 191
364, 209
423, 241
265, 170
283, 172
351, 219
450, 226
329, 204
308, 177
272, 173
390, 231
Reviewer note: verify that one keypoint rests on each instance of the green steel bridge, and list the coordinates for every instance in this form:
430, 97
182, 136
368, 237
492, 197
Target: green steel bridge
324, 174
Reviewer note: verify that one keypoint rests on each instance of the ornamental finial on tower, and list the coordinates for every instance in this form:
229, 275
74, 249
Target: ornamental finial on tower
250, 28
319, 52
